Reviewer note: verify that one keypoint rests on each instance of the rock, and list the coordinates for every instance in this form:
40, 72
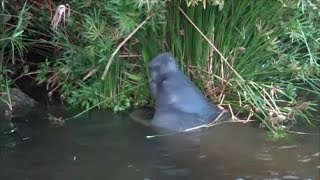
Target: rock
20, 103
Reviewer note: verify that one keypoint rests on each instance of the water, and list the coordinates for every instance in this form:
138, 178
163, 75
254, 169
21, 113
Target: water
104, 145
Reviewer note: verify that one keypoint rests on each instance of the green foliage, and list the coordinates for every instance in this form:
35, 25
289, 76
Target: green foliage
12, 44
87, 42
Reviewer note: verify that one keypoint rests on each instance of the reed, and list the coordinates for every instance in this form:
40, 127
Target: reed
12, 46
256, 75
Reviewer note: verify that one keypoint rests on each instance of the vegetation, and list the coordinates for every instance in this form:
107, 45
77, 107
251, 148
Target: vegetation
258, 59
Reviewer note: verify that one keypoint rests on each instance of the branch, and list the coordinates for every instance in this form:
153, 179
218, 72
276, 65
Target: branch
121, 44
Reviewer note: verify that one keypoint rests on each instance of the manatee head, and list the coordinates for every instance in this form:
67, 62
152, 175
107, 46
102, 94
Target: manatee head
163, 65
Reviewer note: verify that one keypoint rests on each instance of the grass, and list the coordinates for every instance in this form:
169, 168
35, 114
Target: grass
95, 65
250, 76
12, 47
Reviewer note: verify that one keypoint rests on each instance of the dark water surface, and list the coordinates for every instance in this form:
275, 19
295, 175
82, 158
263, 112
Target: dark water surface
103, 145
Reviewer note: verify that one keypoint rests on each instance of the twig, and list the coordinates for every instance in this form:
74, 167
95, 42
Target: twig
90, 73
129, 55
303, 133
163, 135
249, 116
214, 122
232, 115
121, 44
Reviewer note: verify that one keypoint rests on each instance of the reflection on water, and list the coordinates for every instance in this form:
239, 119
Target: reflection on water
104, 145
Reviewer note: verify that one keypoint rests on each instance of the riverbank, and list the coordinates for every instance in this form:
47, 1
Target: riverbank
251, 58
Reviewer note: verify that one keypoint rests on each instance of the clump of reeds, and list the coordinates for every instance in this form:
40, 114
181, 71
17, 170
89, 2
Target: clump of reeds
249, 59
12, 44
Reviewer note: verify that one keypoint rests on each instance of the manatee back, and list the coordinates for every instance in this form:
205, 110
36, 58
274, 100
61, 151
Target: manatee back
175, 121
178, 92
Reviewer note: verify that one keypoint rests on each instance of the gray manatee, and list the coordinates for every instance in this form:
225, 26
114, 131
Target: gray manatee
179, 104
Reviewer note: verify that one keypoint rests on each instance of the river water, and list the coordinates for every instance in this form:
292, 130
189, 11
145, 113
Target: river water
103, 145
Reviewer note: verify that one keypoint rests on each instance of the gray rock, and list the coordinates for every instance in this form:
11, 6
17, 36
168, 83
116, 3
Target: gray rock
20, 103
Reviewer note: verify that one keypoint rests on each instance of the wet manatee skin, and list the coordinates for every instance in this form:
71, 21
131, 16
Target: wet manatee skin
179, 104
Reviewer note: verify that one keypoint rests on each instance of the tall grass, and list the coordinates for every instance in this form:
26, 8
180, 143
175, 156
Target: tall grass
263, 62
20, 34
12, 45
